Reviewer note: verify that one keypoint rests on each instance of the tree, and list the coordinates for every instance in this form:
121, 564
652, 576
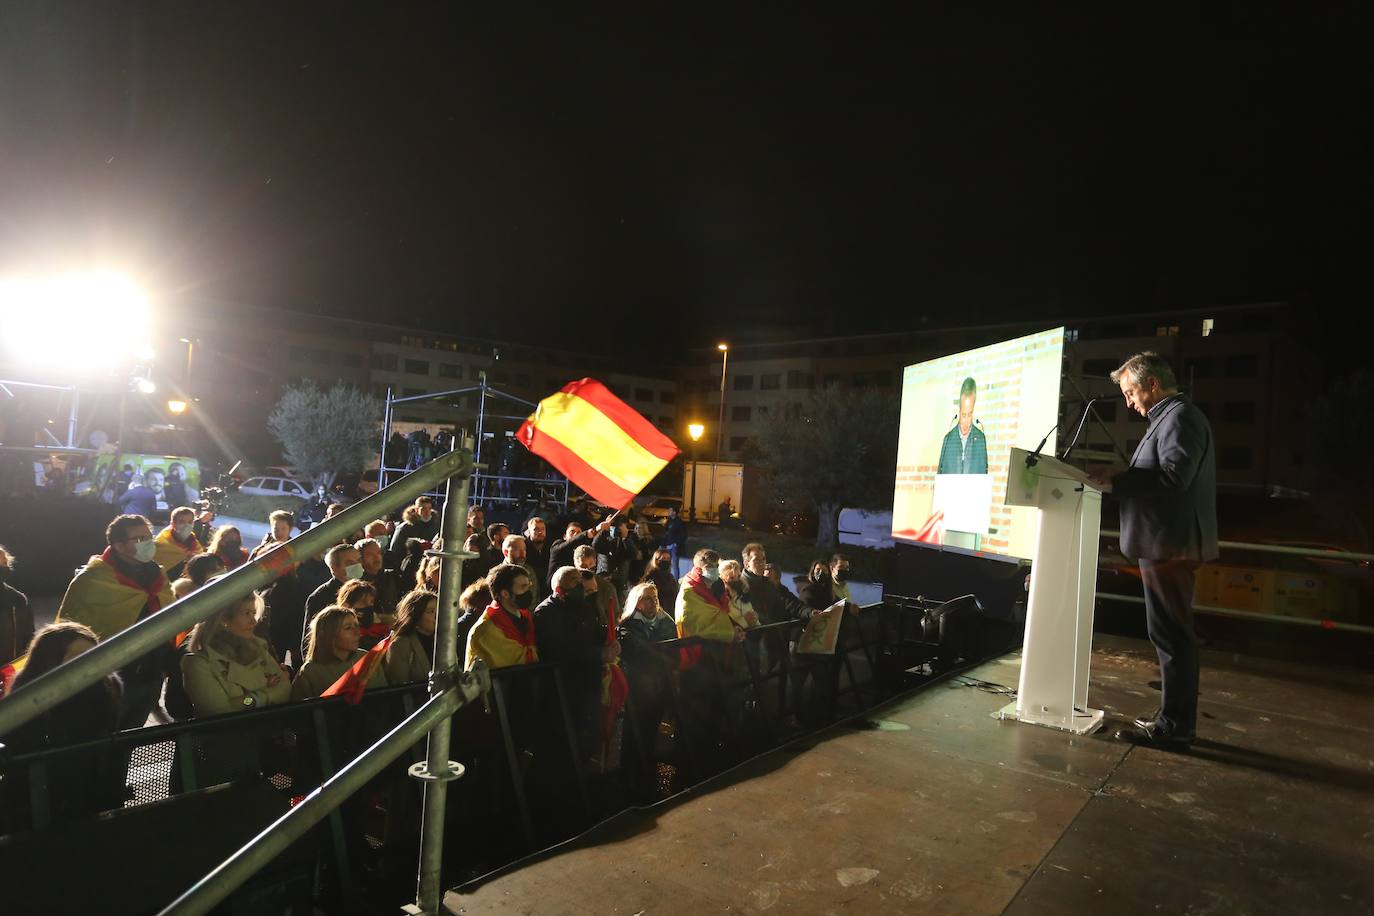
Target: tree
325, 433
841, 451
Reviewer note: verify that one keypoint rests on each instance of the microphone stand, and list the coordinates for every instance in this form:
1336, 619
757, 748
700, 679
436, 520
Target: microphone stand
1116, 447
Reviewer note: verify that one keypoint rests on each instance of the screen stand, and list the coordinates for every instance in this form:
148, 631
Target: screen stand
1053, 690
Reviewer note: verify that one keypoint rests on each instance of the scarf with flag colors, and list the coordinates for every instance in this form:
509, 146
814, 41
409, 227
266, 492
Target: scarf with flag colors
353, 682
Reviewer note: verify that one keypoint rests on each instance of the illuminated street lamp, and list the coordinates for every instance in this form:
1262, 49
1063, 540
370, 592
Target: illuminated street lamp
176, 406
694, 430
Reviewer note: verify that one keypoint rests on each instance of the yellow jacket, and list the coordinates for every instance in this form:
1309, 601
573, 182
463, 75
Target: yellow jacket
170, 553
100, 601
698, 617
491, 640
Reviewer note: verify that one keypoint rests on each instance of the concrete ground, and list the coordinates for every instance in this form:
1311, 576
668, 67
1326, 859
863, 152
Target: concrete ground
933, 806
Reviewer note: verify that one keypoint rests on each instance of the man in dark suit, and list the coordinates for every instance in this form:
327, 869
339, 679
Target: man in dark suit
965, 448
1168, 501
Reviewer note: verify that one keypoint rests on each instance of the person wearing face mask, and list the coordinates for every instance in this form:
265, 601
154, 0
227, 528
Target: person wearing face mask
828, 585
177, 543
571, 633
227, 544
514, 553
771, 601
574, 536
113, 592
704, 610
649, 671
505, 634
344, 563
660, 573
703, 605
359, 596
16, 615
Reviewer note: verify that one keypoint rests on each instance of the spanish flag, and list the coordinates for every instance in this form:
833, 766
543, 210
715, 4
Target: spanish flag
353, 682
601, 443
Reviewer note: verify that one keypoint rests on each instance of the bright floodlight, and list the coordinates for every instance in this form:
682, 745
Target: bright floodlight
722, 347
695, 430
176, 406
145, 385
86, 320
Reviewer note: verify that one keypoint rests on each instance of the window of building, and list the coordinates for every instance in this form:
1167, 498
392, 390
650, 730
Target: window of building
667, 397
450, 370
744, 383
798, 379
1099, 368
409, 341
762, 409
1238, 412
1198, 367
1208, 325
1242, 365
417, 367
1166, 330
740, 414
384, 362
1071, 335
1236, 459
737, 443
770, 381
644, 394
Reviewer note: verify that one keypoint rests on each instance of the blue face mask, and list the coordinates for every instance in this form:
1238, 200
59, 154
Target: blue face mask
144, 551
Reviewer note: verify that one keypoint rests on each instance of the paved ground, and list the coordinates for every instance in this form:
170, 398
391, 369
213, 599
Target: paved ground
936, 807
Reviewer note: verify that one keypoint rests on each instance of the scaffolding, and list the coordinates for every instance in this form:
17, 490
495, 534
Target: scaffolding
487, 489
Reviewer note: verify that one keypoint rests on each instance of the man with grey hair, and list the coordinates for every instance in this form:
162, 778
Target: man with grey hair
965, 448
1168, 503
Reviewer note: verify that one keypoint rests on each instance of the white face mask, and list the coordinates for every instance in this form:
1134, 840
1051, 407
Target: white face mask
183, 531
710, 573
353, 571
144, 551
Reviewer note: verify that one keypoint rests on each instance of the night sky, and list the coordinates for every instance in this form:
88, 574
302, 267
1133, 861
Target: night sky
638, 180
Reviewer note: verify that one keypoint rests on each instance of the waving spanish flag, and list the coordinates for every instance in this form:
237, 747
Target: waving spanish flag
353, 682
601, 443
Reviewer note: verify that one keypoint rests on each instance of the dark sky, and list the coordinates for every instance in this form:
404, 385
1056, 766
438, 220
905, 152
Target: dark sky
604, 174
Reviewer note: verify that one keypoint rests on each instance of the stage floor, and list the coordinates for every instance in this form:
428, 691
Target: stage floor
935, 807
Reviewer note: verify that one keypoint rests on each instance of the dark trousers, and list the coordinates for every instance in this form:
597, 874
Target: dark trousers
1169, 620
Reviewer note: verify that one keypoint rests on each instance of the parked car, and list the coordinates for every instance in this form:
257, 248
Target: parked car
275, 486
656, 509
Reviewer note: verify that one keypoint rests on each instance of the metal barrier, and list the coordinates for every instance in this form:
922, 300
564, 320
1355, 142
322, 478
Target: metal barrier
758, 690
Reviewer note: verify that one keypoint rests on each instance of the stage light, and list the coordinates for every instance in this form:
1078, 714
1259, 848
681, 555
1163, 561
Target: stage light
695, 430
176, 406
721, 347
144, 385
81, 321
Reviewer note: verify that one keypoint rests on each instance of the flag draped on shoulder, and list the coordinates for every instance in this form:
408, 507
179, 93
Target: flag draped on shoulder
353, 682
601, 443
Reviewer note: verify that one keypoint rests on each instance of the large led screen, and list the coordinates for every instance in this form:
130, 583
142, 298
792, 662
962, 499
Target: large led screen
961, 416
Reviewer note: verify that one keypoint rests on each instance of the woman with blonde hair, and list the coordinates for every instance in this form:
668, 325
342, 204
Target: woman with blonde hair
645, 617
228, 669
411, 653
331, 648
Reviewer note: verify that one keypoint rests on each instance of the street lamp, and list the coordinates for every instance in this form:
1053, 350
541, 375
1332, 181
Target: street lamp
694, 430
176, 406
720, 426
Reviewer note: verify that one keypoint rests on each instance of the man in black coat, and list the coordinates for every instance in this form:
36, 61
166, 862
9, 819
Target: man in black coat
574, 536
571, 633
1168, 503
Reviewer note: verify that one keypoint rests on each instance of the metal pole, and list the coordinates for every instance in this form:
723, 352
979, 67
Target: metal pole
71, 418
720, 433
1281, 549
215, 887
158, 629
438, 770
1250, 615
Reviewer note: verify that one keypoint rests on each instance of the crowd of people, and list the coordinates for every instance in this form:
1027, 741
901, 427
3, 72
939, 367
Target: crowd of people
596, 602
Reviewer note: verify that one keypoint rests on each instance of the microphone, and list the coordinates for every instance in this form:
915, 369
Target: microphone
1034, 457
1082, 421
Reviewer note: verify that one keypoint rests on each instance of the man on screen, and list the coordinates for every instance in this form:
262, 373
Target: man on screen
965, 449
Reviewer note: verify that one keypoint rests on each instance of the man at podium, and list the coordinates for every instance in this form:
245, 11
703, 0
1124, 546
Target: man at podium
965, 448
1168, 502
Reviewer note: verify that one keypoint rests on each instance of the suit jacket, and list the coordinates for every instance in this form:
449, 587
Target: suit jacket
952, 457
1168, 496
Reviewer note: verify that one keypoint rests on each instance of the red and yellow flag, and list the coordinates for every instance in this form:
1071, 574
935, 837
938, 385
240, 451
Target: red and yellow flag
353, 682
601, 443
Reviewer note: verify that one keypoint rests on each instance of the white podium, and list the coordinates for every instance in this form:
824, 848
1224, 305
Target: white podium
1063, 587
